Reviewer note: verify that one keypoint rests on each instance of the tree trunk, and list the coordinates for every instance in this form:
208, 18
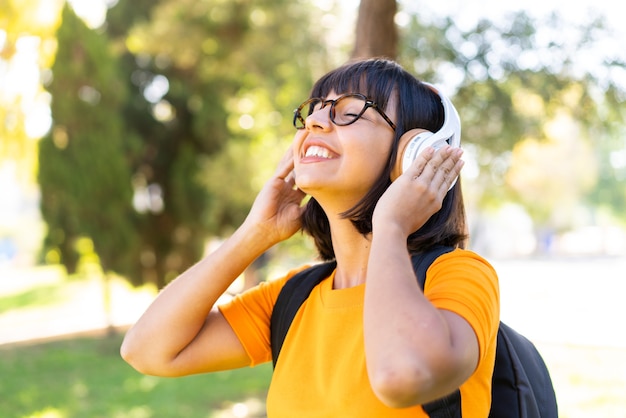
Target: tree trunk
376, 31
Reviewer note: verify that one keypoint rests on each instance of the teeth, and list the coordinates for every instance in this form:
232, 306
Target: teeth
316, 151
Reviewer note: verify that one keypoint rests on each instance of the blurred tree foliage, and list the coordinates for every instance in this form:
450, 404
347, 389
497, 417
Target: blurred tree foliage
186, 121
541, 128
84, 175
169, 117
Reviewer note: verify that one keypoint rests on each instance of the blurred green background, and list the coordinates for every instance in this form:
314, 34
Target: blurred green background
134, 136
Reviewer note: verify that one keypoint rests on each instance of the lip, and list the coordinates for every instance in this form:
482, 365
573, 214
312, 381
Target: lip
310, 142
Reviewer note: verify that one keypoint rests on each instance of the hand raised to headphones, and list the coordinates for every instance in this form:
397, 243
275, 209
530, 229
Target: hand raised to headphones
277, 207
418, 193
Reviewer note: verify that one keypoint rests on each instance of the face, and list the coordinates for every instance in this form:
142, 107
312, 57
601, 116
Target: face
341, 163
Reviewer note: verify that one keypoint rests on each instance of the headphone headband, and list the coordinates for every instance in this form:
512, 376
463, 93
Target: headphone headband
451, 129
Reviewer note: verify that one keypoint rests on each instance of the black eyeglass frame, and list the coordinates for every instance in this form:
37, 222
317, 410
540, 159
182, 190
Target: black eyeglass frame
297, 113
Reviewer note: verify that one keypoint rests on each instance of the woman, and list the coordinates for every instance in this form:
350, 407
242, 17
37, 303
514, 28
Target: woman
367, 342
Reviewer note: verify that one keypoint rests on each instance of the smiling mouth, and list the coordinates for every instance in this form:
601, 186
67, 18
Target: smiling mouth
317, 151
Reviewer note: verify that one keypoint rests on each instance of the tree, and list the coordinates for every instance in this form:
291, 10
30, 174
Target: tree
376, 30
223, 93
83, 172
511, 87
198, 104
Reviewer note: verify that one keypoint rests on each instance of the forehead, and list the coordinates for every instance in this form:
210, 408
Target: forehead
333, 95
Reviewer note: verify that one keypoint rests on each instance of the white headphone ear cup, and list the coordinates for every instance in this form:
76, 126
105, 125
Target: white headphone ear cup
415, 147
436, 141
412, 144
408, 150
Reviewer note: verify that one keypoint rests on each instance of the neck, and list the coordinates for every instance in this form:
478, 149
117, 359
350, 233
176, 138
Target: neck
351, 252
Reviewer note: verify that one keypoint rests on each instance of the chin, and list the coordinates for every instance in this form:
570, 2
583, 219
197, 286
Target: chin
308, 182
307, 188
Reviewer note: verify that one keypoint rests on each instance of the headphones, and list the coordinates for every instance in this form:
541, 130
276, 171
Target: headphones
413, 142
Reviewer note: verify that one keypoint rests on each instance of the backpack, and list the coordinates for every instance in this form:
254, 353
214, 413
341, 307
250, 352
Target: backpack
521, 383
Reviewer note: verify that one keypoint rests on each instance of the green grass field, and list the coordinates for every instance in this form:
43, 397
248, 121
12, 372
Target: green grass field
85, 377
46, 374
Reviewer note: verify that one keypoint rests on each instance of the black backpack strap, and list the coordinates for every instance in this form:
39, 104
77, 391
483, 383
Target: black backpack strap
293, 294
447, 407
422, 261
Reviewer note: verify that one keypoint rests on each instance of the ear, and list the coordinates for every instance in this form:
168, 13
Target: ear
409, 137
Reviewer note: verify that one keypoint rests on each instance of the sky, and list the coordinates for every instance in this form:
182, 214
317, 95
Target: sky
468, 12
590, 60
471, 10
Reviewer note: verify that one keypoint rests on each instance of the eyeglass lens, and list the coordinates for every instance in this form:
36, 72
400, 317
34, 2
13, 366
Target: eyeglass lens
343, 111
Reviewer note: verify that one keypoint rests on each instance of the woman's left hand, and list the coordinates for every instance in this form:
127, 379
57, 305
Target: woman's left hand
418, 193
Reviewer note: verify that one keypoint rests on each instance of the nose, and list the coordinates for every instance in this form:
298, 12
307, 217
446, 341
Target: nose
319, 119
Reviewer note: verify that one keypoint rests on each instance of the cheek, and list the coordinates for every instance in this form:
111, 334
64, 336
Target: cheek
378, 153
373, 159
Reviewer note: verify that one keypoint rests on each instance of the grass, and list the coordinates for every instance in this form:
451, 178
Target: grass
85, 377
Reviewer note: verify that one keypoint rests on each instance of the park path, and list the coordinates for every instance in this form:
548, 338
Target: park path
79, 309
574, 301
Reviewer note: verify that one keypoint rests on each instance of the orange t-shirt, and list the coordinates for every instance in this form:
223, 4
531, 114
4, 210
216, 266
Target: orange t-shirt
321, 371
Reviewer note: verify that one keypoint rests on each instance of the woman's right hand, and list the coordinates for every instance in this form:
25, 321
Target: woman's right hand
418, 193
278, 206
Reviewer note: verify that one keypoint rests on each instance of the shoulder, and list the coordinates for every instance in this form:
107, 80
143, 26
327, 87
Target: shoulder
264, 294
462, 262
465, 283
465, 278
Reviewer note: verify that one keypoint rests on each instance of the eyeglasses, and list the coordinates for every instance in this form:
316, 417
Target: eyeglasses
344, 110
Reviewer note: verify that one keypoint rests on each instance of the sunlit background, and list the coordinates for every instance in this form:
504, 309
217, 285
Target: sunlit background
561, 254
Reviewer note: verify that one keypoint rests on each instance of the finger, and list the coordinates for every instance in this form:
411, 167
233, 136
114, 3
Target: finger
290, 179
285, 165
416, 169
428, 163
446, 160
446, 173
440, 157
